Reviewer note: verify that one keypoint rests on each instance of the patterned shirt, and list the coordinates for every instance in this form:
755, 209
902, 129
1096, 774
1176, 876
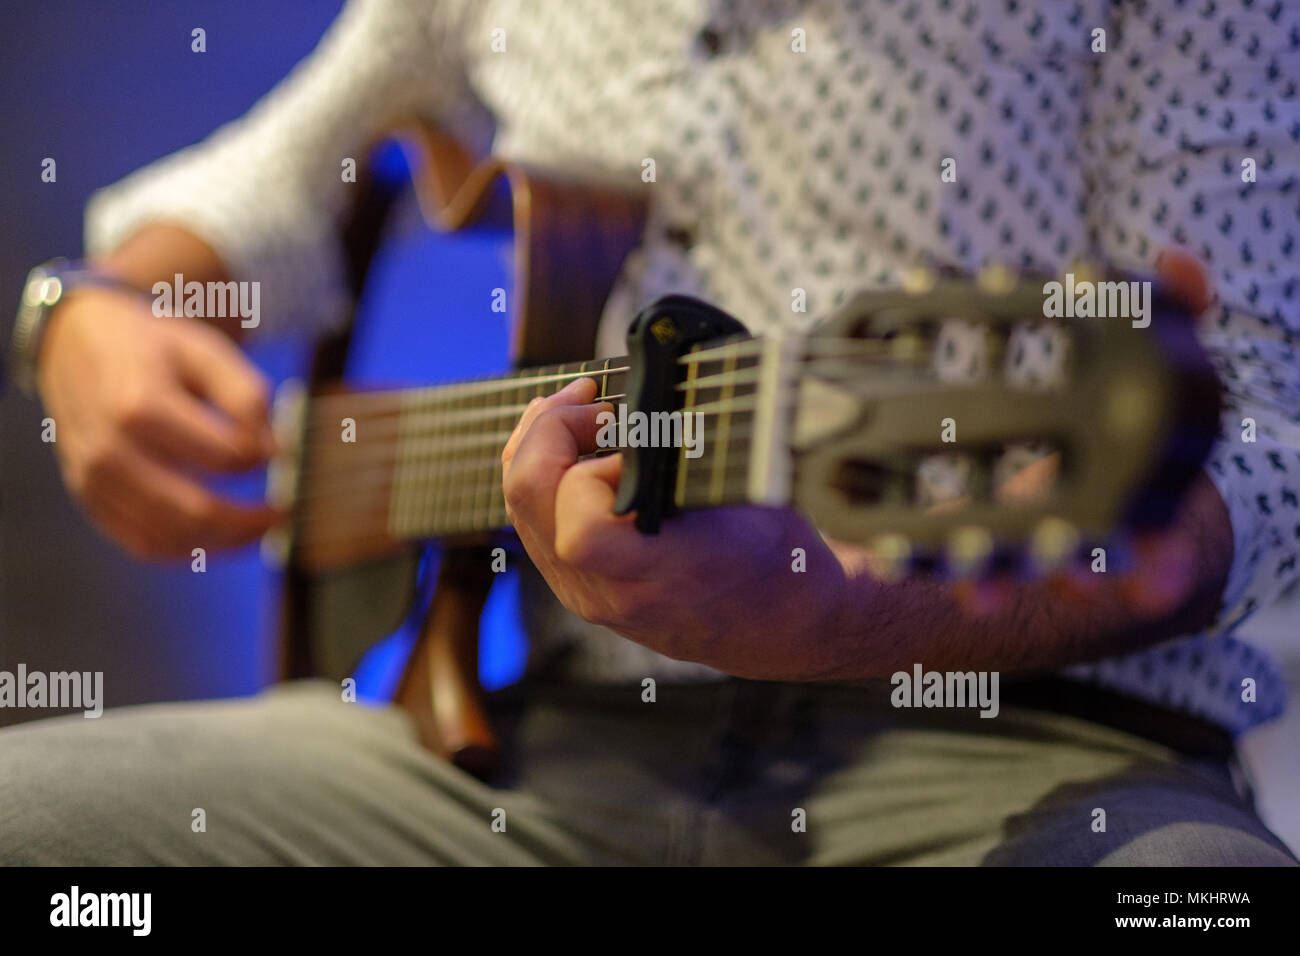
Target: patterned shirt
799, 144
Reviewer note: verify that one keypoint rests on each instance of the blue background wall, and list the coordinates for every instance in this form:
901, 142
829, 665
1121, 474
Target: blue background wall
104, 88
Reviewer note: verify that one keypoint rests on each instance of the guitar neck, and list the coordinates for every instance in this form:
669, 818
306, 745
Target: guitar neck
856, 425
381, 467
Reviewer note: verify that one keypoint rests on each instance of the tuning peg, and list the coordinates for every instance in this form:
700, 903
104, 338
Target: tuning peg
893, 554
1085, 270
997, 278
919, 280
1054, 542
970, 549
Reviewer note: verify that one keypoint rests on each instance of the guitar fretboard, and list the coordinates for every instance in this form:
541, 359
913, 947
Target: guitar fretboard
423, 463
447, 478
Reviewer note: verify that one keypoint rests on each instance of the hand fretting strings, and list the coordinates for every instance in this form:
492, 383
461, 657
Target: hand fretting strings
426, 462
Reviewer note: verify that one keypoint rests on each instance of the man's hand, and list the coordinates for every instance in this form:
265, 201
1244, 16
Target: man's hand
717, 587
713, 586
143, 403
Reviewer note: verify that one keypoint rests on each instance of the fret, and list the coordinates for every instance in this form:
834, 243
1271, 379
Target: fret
445, 441
484, 476
582, 369
433, 450
608, 377
453, 454
415, 440
722, 439
481, 489
399, 508
688, 405
770, 462
441, 472
543, 388
726, 390
410, 478
486, 497
424, 445
459, 458
425, 457
427, 463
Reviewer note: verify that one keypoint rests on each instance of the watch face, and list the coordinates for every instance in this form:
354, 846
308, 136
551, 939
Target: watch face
42, 289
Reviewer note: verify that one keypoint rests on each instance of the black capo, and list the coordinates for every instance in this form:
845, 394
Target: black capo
661, 334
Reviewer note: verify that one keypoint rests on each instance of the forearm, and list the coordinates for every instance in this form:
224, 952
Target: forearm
160, 251
1172, 589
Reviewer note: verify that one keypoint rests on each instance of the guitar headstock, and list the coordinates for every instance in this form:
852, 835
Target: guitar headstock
963, 424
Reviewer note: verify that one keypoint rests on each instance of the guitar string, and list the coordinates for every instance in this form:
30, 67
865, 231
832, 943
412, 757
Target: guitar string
440, 445
322, 523
387, 426
359, 473
440, 395
423, 444
367, 446
346, 493
349, 484
435, 424
429, 398
734, 491
407, 401
318, 534
321, 531
425, 419
314, 497
458, 390
354, 475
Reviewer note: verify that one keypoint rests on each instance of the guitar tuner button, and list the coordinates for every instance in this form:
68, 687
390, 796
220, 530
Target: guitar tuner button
1084, 270
969, 550
1055, 540
997, 278
892, 553
919, 280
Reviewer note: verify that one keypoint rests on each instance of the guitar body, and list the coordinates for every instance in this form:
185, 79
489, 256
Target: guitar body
570, 241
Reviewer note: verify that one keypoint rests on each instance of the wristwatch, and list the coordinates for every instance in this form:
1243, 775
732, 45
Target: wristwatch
46, 287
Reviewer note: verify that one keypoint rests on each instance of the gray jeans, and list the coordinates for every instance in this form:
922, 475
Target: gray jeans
734, 773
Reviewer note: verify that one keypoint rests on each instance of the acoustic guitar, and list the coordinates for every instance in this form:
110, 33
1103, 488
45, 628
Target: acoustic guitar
860, 424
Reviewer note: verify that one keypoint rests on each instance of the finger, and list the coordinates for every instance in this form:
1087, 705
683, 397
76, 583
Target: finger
214, 368
578, 392
179, 428
122, 523
588, 535
185, 514
553, 443
541, 550
1185, 278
